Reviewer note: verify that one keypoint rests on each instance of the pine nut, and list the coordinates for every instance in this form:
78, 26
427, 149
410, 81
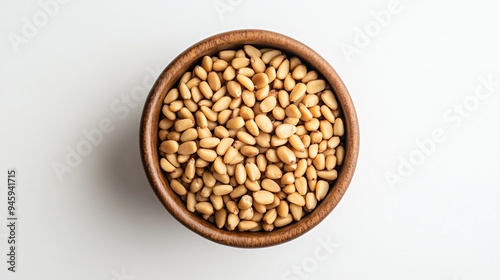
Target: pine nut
205, 208
329, 99
257, 64
229, 74
270, 185
267, 56
223, 146
232, 221
321, 189
220, 217
222, 189
283, 69
187, 148
315, 86
338, 127
273, 172
206, 63
220, 65
281, 222
340, 152
245, 81
169, 147
298, 92
263, 197
217, 201
245, 202
286, 155
260, 80
296, 211
284, 131
247, 225
177, 187
240, 62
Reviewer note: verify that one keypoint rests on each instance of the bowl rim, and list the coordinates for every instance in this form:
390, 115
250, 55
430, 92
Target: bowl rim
149, 139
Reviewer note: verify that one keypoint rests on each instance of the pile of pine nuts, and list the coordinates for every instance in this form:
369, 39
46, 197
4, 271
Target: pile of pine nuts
251, 138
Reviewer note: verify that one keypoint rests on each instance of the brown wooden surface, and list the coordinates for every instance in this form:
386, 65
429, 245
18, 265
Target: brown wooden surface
149, 137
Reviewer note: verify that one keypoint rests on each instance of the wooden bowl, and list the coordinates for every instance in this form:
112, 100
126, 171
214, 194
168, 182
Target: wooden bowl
149, 137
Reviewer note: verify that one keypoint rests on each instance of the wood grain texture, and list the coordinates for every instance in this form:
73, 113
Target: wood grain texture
149, 137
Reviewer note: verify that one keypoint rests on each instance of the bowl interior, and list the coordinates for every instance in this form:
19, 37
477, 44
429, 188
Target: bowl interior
169, 78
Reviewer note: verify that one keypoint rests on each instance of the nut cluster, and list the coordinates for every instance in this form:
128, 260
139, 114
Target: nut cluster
250, 139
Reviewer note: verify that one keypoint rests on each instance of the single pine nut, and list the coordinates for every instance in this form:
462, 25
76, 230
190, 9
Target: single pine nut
184, 91
301, 185
229, 74
264, 123
222, 189
296, 199
299, 72
220, 132
245, 81
209, 142
234, 88
191, 201
232, 221
260, 80
284, 131
296, 212
240, 62
311, 100
219, 166
329, 99
277, 60
281, 222
283, 209
315, 86
240, 174
245, 202
217, 201
286, 155
270, 185
311, 75
247, 225
169, 146
257, 64
249, 151
338, 127
171, 96
292, 111
340, 152
227, 55
235, 123
224, 145
263, 197
273, 172
206, 63
288, 178
283, 69
220, 65
187, 148
220, 217
221, 104
321, 189
246, 71
298, 92
178, 187
268, 104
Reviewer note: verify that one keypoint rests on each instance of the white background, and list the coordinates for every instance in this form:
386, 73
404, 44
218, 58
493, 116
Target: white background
102, 221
